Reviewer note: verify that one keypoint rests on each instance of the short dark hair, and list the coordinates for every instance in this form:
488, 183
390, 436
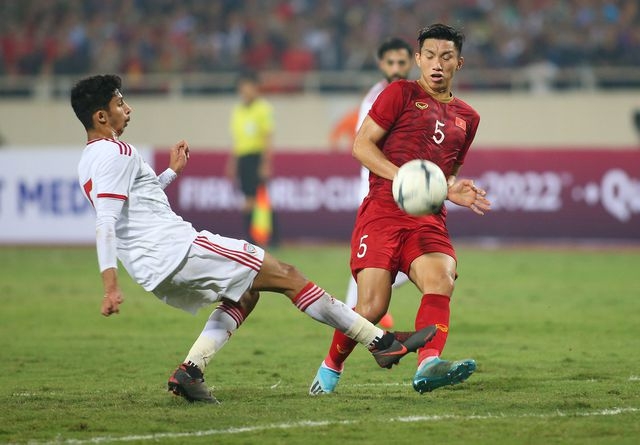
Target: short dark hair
391, 44
92, 94
247, 76
441, 32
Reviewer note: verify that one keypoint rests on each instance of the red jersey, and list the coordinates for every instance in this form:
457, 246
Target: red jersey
420, 127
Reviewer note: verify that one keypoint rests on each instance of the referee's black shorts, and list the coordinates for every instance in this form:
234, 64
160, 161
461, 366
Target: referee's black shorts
248, 174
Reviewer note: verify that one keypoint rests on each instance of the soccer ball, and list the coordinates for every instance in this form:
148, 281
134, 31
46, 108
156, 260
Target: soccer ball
419, 187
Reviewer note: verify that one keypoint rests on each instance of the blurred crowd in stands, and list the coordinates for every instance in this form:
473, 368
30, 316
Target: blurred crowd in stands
179, 36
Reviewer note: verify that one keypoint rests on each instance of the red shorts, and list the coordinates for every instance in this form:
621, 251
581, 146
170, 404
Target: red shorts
390, 239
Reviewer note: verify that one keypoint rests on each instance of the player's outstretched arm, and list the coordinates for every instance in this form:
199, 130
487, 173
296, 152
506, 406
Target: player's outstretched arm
107, 212
465, 193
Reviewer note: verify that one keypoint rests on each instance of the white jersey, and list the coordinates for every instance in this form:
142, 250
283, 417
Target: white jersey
365, 106
151, 240
369, 99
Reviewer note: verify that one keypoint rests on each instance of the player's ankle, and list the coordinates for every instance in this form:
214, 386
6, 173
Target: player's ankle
383, 342
428, 359
330, 364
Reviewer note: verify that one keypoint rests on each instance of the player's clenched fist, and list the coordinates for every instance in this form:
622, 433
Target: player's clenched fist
178, 156
111, 303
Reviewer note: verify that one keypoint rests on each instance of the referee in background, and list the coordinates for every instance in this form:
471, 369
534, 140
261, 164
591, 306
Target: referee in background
251, 125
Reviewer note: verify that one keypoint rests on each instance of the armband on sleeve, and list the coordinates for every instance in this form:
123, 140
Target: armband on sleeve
167, 177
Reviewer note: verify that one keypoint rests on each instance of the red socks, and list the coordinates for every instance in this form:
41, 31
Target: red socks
341, 347
434, 309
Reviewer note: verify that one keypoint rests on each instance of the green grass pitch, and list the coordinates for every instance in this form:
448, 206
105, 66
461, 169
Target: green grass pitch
556, 333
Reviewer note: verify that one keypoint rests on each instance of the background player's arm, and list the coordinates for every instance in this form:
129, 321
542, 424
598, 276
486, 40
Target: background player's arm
365, 149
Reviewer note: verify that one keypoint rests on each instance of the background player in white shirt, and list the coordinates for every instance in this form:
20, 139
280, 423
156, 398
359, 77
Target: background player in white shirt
184, 268
395, 62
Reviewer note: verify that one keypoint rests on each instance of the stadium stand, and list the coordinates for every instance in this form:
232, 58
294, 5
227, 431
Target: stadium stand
147, 37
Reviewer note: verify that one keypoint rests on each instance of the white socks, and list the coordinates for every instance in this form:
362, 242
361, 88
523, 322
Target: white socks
222, 323
312, 300
319, 305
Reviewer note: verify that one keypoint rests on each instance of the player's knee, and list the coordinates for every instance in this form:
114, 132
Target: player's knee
441, 283
291, 275
372, 311
448, 277
287, 270
447, 283
248, 301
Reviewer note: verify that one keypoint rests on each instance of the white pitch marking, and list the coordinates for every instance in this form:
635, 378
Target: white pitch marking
314, 424
361, 385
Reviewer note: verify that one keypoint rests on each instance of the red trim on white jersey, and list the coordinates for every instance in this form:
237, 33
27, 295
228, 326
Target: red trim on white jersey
234, 255
125, 149
87, 187
307, 296
99, 139
112, 195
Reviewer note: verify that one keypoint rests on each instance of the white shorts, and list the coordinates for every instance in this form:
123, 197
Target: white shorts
215, 267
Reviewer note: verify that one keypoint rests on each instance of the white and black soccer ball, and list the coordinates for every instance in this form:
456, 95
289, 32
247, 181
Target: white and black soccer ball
419, 187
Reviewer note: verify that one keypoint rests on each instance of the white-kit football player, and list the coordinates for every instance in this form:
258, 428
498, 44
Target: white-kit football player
182, 267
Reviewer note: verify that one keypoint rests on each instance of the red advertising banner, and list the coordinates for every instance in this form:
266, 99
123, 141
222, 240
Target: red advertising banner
554, 194
536, 194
